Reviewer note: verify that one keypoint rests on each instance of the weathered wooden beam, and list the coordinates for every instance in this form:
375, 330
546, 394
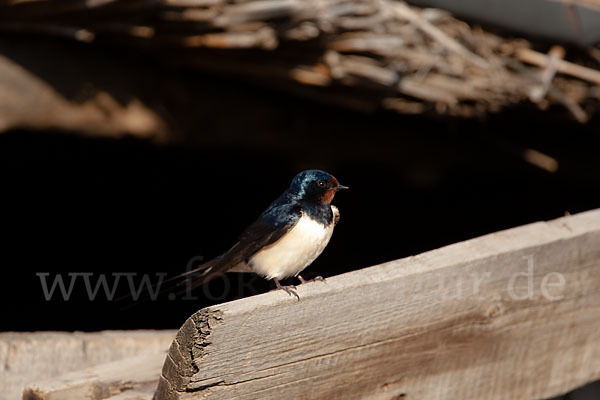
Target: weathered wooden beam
514, 314
129, 379
27, 357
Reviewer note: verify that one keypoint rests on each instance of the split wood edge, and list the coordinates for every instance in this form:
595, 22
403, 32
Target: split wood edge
218, 352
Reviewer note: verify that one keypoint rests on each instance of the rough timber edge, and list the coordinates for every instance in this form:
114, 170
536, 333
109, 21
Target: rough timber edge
194, 336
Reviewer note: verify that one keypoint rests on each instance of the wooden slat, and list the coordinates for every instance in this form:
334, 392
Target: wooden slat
27, 357
129, 379
440, 325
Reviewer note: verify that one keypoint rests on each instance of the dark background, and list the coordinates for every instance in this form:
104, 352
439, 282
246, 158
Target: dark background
76, 204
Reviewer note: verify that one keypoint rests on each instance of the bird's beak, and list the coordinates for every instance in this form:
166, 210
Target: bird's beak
341, 187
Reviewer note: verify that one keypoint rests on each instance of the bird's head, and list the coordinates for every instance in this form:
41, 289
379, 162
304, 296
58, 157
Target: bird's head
315, 186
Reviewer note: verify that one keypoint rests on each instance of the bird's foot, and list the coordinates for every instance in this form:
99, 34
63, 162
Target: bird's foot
317, 278
291, 290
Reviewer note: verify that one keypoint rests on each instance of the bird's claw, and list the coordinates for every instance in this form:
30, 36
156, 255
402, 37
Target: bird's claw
291, 290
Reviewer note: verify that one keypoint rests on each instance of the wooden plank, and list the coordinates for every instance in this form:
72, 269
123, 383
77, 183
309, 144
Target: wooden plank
129, 379
573, 21
27, 357
453, 323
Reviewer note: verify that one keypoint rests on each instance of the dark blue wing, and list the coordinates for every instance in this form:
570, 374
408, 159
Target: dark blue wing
272, 224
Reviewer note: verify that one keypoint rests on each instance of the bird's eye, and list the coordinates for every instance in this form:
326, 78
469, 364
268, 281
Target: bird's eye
321, 184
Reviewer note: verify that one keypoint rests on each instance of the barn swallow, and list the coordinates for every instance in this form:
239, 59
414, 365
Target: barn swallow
287, 237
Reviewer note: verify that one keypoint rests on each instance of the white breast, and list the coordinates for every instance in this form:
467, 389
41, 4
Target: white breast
294, 251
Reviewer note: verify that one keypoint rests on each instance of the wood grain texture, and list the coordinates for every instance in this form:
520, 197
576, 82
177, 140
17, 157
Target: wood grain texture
133, 378
27, 357
440, 325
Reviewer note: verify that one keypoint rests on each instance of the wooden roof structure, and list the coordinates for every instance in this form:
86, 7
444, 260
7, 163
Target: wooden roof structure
362, 54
